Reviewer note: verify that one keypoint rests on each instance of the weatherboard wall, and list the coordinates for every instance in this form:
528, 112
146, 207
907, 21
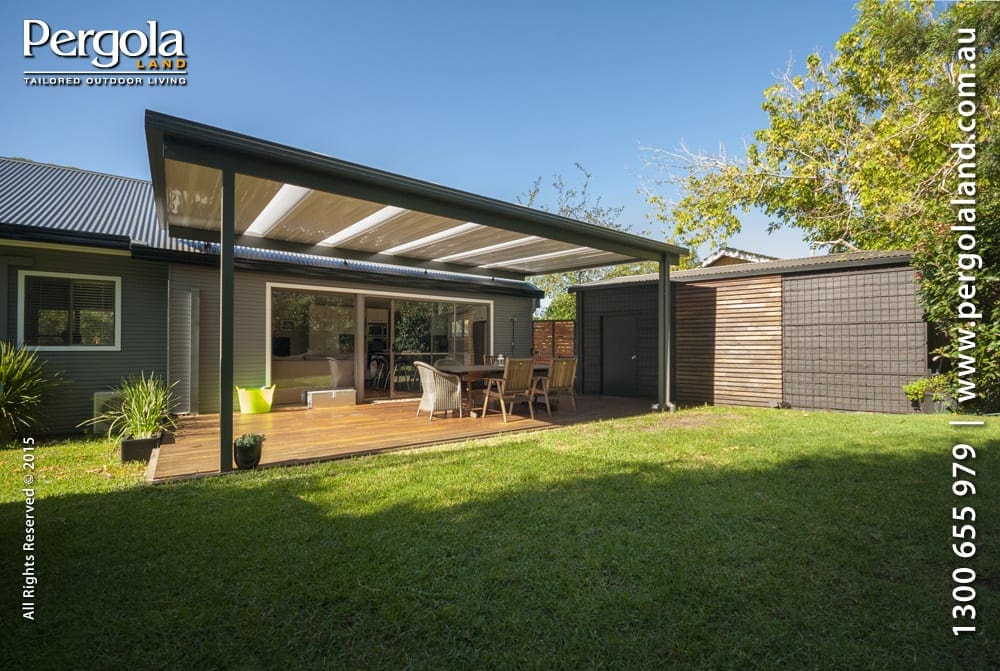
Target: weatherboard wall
511, 319
143, 328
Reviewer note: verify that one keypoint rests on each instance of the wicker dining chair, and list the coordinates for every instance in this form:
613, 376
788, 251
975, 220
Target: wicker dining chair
441, 391
560, 380
515, 385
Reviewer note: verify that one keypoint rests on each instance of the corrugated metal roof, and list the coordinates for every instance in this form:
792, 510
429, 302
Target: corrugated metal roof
56, 197
780, 267
82, 201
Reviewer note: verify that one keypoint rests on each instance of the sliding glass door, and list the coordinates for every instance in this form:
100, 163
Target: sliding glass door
402, 332
312, 342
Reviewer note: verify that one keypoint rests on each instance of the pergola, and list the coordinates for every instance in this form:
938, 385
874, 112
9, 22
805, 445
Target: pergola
217, 186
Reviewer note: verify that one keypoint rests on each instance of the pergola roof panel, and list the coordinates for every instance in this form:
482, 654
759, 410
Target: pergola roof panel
320, 215
252, 196
529, 248
553, 262
481, 238
292, 200
401, 229
193, 195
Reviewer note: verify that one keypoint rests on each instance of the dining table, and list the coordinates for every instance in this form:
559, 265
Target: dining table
469, 373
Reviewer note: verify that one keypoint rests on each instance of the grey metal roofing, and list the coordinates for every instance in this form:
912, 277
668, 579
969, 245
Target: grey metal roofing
70, 199
831, 262
736, 253
65, 199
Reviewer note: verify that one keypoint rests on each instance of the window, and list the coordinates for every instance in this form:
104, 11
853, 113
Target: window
65, 311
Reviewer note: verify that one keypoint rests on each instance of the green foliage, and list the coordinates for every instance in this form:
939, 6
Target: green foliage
563, 306
248, 440
412, 326
24, 383
142, 408
937, 385
712, 538
857, 155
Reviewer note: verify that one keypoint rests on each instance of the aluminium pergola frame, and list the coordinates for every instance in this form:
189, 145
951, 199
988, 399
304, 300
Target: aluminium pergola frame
178, 139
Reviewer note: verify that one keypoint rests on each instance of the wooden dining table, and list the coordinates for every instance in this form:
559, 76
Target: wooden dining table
469, 373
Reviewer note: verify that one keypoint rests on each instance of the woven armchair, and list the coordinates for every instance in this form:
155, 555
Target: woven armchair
442, 391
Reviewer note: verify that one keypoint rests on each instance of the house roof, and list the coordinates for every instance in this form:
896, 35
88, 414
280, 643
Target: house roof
40, 202
304, 202
742, 255
811, 264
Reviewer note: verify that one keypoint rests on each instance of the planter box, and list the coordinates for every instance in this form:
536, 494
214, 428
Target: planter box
139, 449
931, 406
331, 398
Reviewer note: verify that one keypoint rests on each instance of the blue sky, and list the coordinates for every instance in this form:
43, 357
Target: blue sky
484, 97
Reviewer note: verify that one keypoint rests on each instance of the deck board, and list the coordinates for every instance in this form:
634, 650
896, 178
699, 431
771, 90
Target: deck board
303, 436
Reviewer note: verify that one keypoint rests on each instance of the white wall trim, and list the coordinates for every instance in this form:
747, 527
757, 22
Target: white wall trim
119, 317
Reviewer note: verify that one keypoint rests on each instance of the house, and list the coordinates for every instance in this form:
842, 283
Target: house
841, 332
244, 262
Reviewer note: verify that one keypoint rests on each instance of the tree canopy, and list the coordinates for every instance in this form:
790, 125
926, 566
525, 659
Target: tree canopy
860, 153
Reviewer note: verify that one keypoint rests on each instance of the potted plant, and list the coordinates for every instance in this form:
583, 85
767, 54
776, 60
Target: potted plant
246, 450
929, 394
140, 415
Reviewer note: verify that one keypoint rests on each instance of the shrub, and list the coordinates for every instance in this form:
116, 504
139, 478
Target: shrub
23, 385
937, 385
143, 408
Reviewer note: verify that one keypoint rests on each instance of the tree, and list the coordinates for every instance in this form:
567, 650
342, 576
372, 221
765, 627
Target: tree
577, 203
858, 154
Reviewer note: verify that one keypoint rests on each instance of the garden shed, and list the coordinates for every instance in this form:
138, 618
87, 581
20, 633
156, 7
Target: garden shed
839, 332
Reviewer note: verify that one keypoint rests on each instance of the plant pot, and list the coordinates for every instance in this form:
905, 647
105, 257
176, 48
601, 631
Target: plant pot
139, 449
255, 400
935, 406
246, 456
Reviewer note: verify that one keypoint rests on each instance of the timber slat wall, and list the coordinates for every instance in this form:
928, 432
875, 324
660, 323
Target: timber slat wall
728, 341
553, 338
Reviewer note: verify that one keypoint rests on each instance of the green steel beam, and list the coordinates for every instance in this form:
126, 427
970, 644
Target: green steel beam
664, 344
226, 331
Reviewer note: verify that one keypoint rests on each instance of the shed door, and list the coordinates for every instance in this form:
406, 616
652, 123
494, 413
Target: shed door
620, 355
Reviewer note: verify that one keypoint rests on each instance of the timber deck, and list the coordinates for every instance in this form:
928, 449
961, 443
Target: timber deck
298, 435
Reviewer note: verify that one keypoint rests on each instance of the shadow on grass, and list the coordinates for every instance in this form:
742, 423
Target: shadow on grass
815, 563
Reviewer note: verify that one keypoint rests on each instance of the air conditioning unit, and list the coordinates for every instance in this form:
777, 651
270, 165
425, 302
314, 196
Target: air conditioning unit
103, 401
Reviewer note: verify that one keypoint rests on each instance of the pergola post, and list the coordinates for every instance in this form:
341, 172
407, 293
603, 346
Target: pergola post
226, 331
663, 335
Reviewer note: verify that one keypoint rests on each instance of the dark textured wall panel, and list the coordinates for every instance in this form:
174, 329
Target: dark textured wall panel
852, 339
594, 304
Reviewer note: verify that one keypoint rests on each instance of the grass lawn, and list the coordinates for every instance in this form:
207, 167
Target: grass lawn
713, 538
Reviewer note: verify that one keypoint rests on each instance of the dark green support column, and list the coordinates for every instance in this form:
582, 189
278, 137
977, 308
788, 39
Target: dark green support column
663, 336
226, 287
